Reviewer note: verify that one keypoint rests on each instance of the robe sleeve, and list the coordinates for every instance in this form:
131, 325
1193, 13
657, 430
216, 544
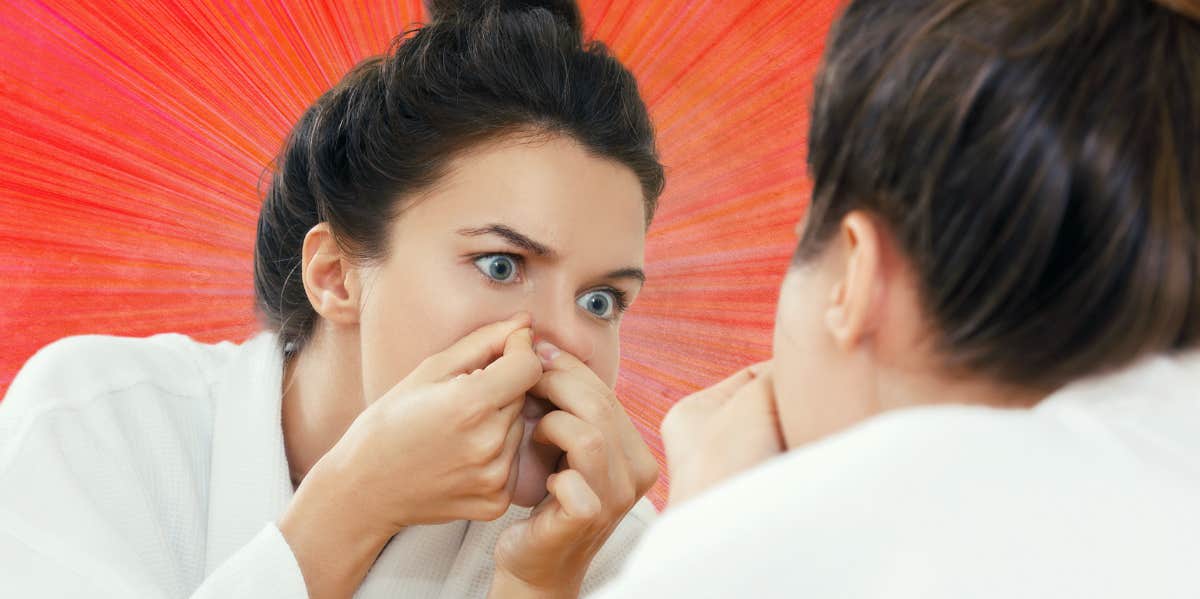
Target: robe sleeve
264, 567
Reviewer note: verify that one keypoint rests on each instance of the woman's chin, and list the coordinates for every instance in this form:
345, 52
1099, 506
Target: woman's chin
529, 495
535, 463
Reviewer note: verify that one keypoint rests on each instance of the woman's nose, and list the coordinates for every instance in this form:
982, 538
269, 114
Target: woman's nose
558, 321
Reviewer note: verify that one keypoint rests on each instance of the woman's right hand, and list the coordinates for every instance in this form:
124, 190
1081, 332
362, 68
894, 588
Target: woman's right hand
439, 446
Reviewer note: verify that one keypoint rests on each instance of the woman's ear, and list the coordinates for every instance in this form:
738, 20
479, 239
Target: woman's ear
854, 304
330, 280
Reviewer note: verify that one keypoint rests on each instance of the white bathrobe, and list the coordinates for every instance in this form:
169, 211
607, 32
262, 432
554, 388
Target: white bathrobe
1094, 493
155, 468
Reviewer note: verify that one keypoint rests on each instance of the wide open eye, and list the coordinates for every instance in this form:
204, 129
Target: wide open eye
501, 268
601, 303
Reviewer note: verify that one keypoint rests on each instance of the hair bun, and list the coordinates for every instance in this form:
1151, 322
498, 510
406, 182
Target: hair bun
465, 11
1187, 8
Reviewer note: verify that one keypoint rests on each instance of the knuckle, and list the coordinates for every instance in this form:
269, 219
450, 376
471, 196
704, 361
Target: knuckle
592, 442
624, 494
598, 408
482, 449
646, 473
682, 406
498, 505
669, 421
677, 416
492, 510
551, 378
430, 364
494, 478
475, 410
604, 396
592, 513
531, 365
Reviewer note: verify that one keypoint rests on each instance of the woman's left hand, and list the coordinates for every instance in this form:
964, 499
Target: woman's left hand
608, 468
721, 431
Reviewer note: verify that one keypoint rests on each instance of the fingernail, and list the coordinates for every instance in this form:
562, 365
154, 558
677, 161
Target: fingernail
547, 351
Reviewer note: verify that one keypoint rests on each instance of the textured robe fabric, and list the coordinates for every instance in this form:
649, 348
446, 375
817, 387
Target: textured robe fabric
156, 468
1094, 493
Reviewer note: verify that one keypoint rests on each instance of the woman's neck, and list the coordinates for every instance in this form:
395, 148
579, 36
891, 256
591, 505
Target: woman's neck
908, 389
322, 395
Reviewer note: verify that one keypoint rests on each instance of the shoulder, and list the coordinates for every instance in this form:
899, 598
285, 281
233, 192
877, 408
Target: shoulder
89, 398
809, 522
85, 367
107, 441
929, 502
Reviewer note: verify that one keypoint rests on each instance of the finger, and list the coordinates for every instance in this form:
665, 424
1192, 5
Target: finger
571, 386
474, 351
761, 368
510, 412
727, 387
587, 449
579, 392
758, 393
713, 397
756, 403
512, 443
575, 509
507, 379
709, 400
554, 358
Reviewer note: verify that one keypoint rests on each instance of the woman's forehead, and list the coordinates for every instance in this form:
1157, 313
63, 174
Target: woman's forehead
550, 190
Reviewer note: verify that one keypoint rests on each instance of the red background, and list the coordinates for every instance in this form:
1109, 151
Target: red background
133, 139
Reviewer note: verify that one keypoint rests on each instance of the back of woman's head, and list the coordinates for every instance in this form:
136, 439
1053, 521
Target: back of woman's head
1038, 161
481, 70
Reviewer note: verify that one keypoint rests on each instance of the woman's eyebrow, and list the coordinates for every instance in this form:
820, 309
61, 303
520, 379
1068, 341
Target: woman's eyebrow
632, 273
512, 236
526, 242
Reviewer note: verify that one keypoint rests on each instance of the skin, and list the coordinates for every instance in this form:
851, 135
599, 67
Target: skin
499, 284
851, 341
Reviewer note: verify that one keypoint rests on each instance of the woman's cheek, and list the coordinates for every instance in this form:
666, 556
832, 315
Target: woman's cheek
404, 323
466, 306
606, 357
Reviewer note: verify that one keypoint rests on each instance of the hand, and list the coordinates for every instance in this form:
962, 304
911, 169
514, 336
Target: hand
607, 469
437, 447
721, 431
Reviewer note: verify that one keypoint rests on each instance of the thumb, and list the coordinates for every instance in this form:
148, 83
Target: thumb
472, 352
755, 407
565, 515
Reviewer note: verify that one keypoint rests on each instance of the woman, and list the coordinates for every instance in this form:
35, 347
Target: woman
444, 252
985, 379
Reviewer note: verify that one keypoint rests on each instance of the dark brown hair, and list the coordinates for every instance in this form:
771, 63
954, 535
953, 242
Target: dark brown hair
1039, 163
481, 70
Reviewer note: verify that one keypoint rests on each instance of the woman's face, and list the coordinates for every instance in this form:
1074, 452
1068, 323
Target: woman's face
518, 224
521, 224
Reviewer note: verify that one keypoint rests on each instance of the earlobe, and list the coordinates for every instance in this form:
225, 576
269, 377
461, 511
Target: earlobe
851, 315
331, 283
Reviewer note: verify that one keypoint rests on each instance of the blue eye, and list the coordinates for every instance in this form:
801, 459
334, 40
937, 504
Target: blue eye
501, 268
601, 304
